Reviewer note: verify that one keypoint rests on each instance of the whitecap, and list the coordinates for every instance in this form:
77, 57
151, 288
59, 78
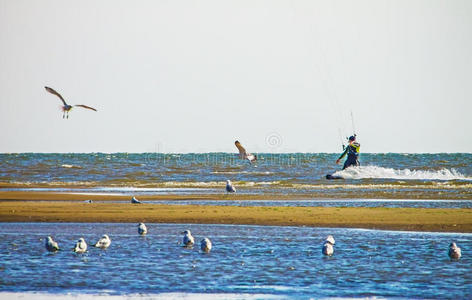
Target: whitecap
373, 172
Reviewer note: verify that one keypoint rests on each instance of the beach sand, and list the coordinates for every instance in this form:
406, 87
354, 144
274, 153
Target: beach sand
61, 207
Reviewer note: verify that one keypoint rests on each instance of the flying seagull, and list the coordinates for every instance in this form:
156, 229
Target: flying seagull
205, 245
454, 251
243, 154
51, 245
66, 107
229, 187
104, 242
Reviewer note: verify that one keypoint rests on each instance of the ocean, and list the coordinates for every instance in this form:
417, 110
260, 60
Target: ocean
246, 262
290, 175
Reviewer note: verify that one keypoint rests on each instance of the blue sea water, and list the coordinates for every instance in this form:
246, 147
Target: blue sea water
391, 176
245, 260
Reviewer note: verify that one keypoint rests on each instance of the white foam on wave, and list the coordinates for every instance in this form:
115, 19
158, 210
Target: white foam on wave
365, 172
71, 166
243, 172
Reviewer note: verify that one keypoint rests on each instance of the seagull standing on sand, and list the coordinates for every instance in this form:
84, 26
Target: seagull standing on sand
66, 107
51, 245
188, 239
81, 246
205, 245
104, 242
229, 187
243, 154
328, 248
454, 251
135, 201
142, 229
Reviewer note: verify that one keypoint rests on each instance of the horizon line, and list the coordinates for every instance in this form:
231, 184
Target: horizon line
125, 152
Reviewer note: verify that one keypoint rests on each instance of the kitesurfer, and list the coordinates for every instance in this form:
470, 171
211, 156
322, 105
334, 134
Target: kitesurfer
352, 151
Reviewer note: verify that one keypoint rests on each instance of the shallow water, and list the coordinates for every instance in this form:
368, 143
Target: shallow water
266, 260
393, 175
327, 203
405, 203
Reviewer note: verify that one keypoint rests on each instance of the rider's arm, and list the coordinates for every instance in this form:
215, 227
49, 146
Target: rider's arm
343, 154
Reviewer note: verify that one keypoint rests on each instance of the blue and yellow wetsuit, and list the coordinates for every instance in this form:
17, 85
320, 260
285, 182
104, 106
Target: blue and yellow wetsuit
352, 151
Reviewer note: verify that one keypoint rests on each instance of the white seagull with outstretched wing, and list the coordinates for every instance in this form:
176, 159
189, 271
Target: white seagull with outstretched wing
243, 154
66, 107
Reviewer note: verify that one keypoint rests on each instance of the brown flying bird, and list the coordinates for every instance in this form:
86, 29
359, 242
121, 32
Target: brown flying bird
66, 107
243, 154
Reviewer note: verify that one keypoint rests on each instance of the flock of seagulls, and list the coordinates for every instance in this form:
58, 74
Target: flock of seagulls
188, 240
205, 244
104, 242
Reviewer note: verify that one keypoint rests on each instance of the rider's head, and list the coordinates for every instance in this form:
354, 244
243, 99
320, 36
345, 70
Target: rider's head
352, 138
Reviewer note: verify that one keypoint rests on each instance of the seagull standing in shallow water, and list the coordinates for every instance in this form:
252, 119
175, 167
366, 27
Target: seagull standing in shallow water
328, 248
243, 154
135, 201
188, 239
66, 107
229, 187
81, 246
205, 245
454, 251
104, 242
51, 245
142, 229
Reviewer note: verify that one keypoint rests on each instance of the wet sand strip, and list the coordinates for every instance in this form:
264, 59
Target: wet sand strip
412, 219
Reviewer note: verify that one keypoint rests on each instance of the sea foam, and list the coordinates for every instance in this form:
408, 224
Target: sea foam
365, 172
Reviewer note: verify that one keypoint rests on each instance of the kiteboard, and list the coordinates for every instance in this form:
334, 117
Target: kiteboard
332, 177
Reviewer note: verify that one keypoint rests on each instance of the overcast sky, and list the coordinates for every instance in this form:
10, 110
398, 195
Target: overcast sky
193, 76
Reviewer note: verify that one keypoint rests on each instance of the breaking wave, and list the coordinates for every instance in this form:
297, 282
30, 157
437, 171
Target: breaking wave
366, 172
71, 166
